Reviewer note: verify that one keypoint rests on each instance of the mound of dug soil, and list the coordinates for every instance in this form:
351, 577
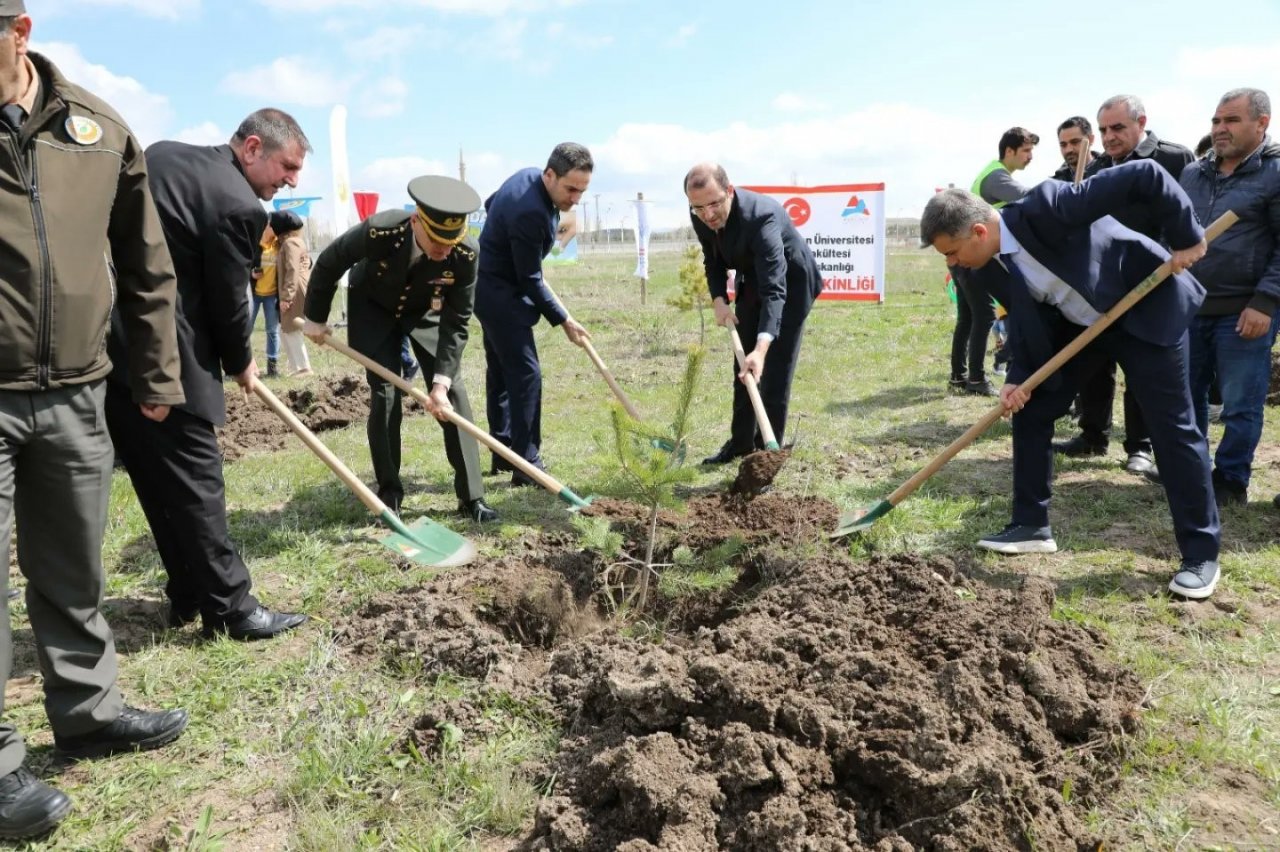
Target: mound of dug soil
886, 704
328, 403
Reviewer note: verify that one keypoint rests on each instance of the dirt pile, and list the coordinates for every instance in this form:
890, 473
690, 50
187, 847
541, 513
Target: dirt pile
329, 403
886, 704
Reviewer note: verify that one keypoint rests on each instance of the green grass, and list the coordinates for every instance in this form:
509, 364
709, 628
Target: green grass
293, 743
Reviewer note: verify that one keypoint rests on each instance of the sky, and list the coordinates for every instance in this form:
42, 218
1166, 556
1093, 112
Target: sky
910, 93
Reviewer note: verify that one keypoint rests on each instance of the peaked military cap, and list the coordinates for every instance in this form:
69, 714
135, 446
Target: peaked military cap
12, 7
281, 221
444, 203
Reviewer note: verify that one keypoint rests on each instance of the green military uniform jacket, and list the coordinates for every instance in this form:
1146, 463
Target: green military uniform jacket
400, 288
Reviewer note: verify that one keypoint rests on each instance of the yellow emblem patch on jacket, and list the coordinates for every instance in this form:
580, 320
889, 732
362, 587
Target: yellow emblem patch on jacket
83, 130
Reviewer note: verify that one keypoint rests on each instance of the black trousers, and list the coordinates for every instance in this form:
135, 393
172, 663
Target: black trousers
176, 470
775, 382
1097, 396
1159, 379
974, 317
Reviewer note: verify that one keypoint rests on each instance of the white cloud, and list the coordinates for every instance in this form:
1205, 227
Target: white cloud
682, 35
148, 114
385, 42
204, 133
386, 98
478, 8
1243, 61
290, 80
792, 102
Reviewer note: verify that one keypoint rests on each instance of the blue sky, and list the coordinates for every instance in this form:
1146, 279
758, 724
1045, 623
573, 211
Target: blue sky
912, 93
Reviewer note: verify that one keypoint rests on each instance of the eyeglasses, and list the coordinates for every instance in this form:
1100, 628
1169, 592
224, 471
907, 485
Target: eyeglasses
700, 209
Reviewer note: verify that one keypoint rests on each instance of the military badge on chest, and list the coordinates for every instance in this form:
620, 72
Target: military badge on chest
437, 295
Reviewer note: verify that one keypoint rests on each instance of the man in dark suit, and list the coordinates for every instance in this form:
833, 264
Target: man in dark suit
414, 275
208, 200
523, 217
1122, 121
1063, 261
776, 281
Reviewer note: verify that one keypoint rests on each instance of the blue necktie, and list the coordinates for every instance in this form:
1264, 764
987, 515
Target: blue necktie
13, 116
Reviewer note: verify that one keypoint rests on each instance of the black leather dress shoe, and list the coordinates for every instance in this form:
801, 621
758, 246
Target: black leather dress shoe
133, 730
1080, 446
28, 806
14, 594
724, 455
500, 465
262, 623
477, 510
392, 499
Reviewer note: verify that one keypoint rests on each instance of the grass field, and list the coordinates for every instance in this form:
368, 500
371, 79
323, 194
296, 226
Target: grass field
290, 745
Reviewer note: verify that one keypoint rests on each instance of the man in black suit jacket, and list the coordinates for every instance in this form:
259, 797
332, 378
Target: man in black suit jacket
776, 282
208, 200
1059, 260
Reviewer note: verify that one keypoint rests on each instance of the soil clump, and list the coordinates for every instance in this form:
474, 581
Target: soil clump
823, 703
323, 404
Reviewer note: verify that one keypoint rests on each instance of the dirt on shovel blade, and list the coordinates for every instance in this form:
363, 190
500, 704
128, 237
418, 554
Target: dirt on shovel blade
758, 470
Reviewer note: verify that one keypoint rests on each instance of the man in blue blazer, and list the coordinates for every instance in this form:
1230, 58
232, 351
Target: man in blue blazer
511, 295
1061, 261
777, 280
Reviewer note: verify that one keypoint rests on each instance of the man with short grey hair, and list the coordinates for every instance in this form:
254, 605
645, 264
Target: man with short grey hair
1235, 329
208, 198
1122, 121
1061, 262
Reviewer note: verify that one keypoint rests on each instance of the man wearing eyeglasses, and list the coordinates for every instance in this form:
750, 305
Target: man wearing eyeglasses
776, 280
411, 274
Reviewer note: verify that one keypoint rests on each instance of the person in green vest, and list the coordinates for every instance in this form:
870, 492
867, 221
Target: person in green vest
975, 312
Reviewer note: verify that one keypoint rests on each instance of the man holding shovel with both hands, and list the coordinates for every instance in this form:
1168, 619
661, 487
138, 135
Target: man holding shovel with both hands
776, 283
411, 274
1058, 260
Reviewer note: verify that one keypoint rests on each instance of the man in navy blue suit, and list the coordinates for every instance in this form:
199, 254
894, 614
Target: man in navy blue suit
511, 295
776, 281
1061, 261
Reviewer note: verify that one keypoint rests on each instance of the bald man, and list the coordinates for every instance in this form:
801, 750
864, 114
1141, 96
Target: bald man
776, 281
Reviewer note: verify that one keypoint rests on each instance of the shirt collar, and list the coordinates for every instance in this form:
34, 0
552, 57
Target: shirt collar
1008, 242
27, 100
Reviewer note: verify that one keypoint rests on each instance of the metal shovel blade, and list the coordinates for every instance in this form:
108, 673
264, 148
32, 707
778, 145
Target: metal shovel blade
860, 519
426, 542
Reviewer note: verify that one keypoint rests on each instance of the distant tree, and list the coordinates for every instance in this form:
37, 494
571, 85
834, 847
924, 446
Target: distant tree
693, 289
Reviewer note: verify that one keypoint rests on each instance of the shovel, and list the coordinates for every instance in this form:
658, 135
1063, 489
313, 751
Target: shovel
423, 541
538, 475
762, 419
861, 519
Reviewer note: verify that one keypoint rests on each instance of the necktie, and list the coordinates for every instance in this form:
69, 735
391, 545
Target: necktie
13, 116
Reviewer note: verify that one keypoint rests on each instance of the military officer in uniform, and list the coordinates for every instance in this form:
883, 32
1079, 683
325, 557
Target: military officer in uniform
412, 273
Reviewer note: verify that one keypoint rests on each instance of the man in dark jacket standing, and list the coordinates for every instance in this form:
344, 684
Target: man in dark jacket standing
1122, 121
412, 274
776, 282
1232, 335
91, 202
511, 295
207, 198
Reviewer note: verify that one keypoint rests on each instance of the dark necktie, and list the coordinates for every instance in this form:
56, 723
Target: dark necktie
13, 116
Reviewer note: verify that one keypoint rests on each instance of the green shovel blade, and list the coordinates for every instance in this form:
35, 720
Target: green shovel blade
427, 542
861, 519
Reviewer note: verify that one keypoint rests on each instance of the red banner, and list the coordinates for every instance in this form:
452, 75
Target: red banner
366, 204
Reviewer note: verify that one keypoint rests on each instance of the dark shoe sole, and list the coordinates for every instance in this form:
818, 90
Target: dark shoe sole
94, 750
44, 826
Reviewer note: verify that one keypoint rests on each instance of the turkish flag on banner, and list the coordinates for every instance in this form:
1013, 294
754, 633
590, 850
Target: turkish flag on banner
366, 204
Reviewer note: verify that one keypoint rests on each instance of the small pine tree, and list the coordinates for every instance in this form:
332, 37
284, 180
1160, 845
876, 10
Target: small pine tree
651, 463
693, 289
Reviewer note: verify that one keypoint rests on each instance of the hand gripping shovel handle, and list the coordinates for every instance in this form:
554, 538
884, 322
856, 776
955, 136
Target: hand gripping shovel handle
1226, 220
539, 476
762, 419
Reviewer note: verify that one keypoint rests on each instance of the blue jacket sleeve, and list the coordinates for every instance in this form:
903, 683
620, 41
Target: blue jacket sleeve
528, 232
1267, 294
1138, 182
712, 262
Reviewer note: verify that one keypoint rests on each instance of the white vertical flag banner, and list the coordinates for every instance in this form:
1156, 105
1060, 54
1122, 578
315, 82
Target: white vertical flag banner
642, 239
342, 199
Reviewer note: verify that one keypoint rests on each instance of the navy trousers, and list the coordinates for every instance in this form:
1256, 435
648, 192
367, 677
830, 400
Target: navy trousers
513, 388
1159, 378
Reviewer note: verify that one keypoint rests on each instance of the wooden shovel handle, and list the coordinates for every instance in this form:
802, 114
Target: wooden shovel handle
609, 379
366, 495
762, 419
1226, 220
541, 477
